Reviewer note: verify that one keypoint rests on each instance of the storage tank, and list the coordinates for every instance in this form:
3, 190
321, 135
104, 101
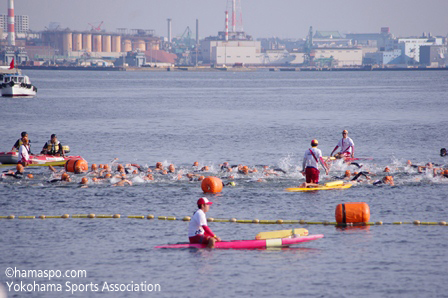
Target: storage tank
66, 42
116, 43
106, 43
139, 45
87, 42
152, 45
97, 43
77, 41
127, 44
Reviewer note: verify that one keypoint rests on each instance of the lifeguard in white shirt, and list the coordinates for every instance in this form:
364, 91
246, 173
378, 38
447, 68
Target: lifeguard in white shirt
347, 146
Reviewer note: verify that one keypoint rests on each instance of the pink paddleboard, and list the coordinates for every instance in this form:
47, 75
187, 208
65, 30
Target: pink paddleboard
250, 244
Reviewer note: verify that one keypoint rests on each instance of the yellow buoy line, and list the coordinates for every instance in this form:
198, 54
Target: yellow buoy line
234, 220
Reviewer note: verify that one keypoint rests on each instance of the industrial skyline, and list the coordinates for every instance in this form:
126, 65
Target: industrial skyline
261, 18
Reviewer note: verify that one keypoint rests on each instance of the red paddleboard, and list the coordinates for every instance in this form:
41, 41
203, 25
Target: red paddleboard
250, 244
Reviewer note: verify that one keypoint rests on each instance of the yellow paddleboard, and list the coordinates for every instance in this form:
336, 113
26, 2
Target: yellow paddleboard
323, 187
329, 157
281, 234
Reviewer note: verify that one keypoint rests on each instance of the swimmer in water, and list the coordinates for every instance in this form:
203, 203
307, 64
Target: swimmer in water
123, 181
386, 180
18, 174
443, 152
64, 177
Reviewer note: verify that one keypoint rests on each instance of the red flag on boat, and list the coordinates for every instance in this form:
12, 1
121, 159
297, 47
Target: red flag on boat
11, 66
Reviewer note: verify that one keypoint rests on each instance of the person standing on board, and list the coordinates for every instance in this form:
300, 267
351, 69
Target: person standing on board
311, 163
347, 146
198, 230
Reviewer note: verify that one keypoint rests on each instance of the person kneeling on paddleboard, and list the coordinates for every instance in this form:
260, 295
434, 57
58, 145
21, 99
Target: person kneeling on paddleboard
311, 163
198, 231
347, 146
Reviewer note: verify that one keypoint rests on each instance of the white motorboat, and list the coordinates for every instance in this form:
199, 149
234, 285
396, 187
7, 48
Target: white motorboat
17, 85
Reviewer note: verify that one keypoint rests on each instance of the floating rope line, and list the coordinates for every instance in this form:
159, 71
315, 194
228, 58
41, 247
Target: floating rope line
233, 220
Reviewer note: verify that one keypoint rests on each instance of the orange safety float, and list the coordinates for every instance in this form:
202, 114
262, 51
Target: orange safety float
76, 166
352, 213
211, 185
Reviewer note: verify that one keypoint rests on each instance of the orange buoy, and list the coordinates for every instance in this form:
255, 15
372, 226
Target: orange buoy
30, 176
211, 185
76, 166
352, 213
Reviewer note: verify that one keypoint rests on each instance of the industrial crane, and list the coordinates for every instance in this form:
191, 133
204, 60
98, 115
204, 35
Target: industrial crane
96, 28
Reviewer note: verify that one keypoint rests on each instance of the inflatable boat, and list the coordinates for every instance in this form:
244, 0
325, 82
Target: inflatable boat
12, 157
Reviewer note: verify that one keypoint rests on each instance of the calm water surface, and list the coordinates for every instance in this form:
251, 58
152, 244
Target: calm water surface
262, 118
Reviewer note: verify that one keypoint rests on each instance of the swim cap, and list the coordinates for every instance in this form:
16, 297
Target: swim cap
24, 133
84, 180
347, 173
314, 143
205, 201
345, 131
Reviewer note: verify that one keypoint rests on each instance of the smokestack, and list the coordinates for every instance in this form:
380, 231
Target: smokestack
169, 30
11, 31
197, 31
234, 16
227, 26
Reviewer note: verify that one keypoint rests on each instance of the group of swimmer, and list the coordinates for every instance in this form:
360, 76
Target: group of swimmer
313, 156
119, 175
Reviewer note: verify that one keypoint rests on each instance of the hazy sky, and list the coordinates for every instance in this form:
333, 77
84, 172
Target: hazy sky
261, 18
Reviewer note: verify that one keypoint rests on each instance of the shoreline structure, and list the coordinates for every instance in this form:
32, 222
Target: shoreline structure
234, 69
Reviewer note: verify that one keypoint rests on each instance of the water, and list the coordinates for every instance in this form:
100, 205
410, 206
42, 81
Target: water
261, 118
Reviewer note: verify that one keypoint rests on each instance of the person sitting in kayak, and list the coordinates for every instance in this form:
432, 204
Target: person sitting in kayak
347, 146
53, 147
311, 163
198, 230
19, 142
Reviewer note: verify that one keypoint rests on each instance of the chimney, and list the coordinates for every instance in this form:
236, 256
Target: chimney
11, 31
169, 30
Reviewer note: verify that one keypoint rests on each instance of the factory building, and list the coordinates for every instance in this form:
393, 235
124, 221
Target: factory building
373, 40
338, 57
434, 55
222, 52
410, 47
383, 57
21, 23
